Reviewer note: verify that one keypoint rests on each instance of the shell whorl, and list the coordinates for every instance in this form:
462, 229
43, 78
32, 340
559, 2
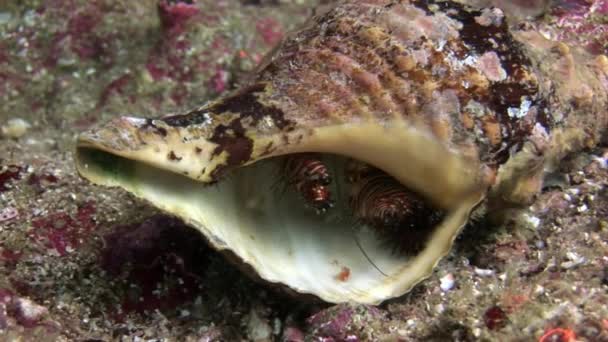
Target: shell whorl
463, 76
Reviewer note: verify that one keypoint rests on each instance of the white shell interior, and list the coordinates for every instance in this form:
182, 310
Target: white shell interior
268, 227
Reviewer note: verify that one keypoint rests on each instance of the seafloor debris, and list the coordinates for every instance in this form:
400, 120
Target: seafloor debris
347, 322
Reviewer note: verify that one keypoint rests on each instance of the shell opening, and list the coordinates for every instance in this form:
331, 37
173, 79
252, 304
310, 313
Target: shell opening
271, 229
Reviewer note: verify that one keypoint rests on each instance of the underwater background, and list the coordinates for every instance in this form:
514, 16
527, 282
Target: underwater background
85, 263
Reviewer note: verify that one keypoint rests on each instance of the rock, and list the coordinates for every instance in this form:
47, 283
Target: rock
26, 312
258, 328
15, 128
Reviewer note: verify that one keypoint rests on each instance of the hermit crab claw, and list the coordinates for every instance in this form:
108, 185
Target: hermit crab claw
356, 84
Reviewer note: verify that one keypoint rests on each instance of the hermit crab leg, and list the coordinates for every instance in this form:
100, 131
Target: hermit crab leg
310, 177
398, 215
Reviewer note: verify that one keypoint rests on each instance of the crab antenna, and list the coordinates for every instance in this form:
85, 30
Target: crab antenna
365, 254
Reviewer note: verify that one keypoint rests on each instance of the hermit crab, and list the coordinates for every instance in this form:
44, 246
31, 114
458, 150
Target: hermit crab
360, 147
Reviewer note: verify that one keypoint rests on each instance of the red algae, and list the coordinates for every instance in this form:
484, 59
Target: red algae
174, 14
168, 57
62, 232
219, 81
270, 30
42, 181
293, 334
5, 299
84, 42
495, 318
8, 174
164, 261
116, 87
80, 35
9, 258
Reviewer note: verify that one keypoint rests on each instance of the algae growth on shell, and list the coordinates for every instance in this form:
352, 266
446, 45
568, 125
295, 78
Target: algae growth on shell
449, 100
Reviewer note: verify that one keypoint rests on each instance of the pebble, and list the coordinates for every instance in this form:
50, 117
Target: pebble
293, 334
447, 282
14, 128
573, 260
482, 272
8, 213
258, 328
532, 220
603, 162
27, 312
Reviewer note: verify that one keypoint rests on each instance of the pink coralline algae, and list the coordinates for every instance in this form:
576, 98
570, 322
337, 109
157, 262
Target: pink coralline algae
270, 30
174, 14
116, 87
584, 22
168, 59
80, 36
63, 232
163, 259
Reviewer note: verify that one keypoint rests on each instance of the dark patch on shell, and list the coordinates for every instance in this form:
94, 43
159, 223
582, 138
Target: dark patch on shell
173, 157
250, 110
231, 138
247, 105
195, 117
159, 130
244, 103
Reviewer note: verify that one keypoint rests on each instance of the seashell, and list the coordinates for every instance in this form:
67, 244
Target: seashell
452, 102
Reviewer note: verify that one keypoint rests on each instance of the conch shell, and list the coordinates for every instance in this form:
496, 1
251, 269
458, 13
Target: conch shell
451, 101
